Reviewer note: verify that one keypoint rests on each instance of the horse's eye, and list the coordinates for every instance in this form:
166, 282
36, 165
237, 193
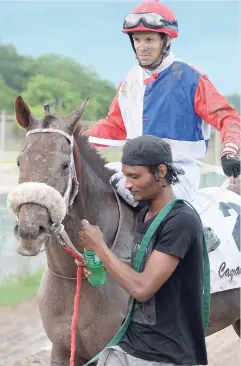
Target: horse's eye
65, 165
17, 162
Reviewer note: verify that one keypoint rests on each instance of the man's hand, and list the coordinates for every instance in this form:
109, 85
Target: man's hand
83, 264
91, 238
231, 165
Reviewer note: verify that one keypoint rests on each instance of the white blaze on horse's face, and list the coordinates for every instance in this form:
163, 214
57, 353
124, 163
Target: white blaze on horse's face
46, 158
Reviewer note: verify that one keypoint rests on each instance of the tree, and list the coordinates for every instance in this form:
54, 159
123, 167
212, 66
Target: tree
14, 68
7, 96
83, 81
234, 99
57, 80
54, 79
56, 92
59, 94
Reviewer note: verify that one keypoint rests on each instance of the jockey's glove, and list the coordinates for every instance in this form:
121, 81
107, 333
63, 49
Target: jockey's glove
231, 165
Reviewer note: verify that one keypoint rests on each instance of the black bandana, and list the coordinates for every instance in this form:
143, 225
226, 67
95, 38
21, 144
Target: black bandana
148, 151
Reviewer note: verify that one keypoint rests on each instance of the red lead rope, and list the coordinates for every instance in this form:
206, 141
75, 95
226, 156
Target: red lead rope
76, 306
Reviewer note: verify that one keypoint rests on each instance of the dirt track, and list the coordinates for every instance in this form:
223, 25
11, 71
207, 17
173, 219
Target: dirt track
22, 338
24, 343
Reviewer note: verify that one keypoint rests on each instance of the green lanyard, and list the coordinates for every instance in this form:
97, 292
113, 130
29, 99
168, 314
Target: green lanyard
137, 265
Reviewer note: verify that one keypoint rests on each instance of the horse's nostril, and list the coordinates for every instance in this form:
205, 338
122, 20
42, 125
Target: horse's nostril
15, 230
42, 230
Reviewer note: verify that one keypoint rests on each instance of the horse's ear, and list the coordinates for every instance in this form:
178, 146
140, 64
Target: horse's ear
22, 113
78, 129
75, 116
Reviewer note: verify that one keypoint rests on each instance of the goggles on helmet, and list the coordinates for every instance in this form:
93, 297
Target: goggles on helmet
149, 20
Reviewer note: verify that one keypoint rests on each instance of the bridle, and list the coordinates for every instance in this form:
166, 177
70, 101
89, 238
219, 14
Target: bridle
69, 195
73, 184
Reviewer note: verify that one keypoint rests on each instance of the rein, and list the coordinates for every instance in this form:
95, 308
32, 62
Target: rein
73, 185
64, 240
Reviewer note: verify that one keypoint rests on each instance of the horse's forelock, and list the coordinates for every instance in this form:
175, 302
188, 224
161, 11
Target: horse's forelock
48, 120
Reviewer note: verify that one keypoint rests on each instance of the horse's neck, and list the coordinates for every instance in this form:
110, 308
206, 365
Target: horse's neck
101, 205
104, 210
97, 203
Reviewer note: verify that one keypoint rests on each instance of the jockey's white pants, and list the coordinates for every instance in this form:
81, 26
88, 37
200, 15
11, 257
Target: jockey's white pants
189, 182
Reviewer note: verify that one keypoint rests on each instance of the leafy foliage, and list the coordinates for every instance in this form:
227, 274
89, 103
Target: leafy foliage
234, 99
53, 79
57, 80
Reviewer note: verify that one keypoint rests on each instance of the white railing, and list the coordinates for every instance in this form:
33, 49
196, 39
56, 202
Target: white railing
12, 138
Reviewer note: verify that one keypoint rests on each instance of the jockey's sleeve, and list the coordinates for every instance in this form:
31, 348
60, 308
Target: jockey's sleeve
112, 127
214, 109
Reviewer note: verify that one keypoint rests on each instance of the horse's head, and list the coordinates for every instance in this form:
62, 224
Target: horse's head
47, 177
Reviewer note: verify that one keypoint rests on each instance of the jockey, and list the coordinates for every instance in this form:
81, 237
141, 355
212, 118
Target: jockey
166, 97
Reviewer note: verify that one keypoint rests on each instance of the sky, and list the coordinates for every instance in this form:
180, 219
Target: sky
90, 33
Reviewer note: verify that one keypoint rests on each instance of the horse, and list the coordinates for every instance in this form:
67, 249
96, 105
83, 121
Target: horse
57, 156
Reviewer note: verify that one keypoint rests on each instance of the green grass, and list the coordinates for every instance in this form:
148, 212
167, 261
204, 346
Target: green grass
17, 289
8, 161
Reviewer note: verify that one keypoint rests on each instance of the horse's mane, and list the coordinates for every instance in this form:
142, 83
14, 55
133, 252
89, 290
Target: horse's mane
48, 120
93, 158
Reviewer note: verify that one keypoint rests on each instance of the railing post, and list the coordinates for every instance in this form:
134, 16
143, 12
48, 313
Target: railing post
2, 131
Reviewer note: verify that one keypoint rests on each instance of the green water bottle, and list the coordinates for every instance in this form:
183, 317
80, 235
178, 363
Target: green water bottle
95, 266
